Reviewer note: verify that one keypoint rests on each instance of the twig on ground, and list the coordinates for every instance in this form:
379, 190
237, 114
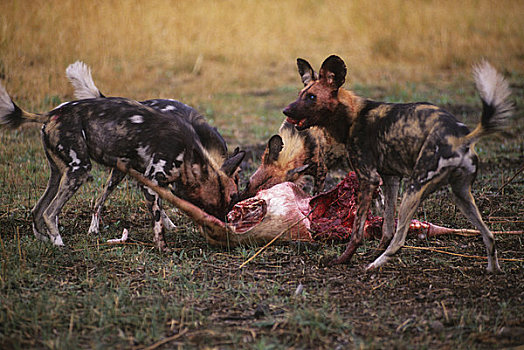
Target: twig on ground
511, 179
457, 254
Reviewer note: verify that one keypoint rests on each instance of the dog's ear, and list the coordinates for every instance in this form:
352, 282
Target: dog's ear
232, 163
274, 147
307, 74
333, 72
193, 169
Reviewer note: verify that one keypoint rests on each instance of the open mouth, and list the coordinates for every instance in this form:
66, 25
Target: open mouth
300, 124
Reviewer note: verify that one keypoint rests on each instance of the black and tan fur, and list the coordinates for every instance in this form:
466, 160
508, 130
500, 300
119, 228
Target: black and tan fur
110, 130
79, 74
293, 154
418, 142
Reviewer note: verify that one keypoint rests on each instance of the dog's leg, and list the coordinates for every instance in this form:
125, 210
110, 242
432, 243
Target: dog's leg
39, 226
155, 207
166, 221
409, 204
113, 181
390, 188
466, 203
320, 178
364, 201
69, 183
168, 224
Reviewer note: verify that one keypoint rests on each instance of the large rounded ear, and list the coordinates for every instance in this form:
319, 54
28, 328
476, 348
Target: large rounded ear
274, 147
232, 163
333, 72
307, 74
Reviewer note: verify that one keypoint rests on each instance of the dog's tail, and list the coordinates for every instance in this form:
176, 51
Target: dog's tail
79, 74
494, 92
12, 116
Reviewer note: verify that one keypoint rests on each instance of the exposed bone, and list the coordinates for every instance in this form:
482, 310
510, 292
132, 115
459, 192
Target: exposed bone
119, 240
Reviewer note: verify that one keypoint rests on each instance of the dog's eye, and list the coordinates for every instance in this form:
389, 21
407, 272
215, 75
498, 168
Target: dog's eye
311, 97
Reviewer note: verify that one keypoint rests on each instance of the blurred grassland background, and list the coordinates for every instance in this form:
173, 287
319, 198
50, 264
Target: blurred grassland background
197, 50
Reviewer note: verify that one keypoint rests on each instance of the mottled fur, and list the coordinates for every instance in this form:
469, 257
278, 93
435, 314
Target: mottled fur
110, 130
79, 74
419, 142
292, 154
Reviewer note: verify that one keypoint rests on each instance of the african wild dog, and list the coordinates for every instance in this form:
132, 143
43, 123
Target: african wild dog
79, 74
292, 154
419, 142
117, 130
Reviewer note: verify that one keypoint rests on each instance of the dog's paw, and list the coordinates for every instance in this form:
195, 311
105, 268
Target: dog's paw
95, 221
56, 240
494, 271
381, 260
371, 267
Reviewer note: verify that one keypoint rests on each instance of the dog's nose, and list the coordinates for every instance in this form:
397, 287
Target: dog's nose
287, 111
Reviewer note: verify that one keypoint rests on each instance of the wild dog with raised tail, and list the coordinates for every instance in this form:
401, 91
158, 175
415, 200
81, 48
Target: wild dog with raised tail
117, 130
79, 74
419, 142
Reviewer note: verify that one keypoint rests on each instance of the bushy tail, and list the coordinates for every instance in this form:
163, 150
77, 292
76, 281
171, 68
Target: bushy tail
494, 92
79, 74
12, 116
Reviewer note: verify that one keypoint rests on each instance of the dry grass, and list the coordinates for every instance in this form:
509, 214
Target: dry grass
149, 49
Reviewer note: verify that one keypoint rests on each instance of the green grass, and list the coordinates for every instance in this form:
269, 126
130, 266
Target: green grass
92, 295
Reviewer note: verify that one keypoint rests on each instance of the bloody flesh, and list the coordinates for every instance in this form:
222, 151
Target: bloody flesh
334, 212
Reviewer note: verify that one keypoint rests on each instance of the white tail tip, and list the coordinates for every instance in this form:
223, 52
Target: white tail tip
79, 74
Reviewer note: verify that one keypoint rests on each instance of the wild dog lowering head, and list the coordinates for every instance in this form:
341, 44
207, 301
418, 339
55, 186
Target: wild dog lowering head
79, 74
111, 130
292, 154
418, 142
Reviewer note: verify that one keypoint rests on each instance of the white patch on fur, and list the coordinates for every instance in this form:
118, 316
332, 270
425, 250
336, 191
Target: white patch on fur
75, 162
157, 167
136, 119
79, 74
168, 108
180, 157
143, 152
151, 192
459, 161
61, 105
